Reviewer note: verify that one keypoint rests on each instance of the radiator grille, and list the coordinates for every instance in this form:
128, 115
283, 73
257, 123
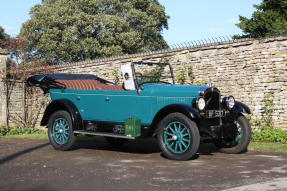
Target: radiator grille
212, 99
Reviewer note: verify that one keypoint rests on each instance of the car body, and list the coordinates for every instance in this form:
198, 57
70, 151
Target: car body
148, 103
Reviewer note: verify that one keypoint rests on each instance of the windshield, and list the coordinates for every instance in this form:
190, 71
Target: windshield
153, 73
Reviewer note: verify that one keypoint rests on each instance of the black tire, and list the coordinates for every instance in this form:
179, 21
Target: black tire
242, 144
179, 121
67, 140
116, 141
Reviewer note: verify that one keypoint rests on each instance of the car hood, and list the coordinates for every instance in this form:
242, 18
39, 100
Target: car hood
172, 90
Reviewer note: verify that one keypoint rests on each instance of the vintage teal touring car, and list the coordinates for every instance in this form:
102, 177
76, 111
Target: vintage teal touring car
148, 103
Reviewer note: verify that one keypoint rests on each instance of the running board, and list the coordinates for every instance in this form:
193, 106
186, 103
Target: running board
104, 134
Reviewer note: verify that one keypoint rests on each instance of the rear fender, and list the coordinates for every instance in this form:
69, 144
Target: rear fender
67, 105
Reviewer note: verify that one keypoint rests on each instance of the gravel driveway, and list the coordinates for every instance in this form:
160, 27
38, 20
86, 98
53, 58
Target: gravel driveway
94, 165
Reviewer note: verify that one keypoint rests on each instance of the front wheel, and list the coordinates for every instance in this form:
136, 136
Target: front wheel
240, 143
178, 137
60, 131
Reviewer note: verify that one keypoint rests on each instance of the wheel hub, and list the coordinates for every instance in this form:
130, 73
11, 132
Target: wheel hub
174, 138
60, 131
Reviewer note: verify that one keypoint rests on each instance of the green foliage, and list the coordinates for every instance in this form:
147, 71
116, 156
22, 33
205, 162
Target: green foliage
269, 19
116, 76
269, 134
268, 107
4, 38
180, 78
256, 122
154, 74
3, 35
188, 71
267, 146
4, 130
266, 131
157, 73
69, 31
190, 74
200, 83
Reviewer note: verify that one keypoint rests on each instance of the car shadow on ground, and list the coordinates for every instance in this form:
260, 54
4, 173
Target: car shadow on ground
20, 153
139, 146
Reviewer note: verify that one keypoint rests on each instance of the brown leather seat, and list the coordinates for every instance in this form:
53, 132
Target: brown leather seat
89, 85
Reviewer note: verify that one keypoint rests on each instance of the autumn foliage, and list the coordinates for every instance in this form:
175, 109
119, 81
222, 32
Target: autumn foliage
19, 65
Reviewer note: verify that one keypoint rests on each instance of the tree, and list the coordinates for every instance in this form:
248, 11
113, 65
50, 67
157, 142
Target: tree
269, 19
70, 30
4, 38
18, 63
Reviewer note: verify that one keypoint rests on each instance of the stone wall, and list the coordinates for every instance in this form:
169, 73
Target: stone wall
3, 101
16, 101
248, 69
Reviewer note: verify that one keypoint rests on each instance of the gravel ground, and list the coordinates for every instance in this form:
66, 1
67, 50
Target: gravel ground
27, 164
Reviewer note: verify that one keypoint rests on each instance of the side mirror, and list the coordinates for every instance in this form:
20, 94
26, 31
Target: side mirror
126, 76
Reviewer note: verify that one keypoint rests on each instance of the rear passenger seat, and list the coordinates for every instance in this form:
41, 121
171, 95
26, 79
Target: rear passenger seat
89, 85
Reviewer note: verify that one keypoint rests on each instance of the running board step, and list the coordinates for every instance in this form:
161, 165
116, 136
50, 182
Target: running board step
104, 134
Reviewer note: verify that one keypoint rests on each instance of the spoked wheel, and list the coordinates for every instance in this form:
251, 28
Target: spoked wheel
178, 137
240, 142
116, 141
60, 131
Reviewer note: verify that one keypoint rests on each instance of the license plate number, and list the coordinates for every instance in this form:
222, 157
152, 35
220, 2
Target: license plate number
215, 113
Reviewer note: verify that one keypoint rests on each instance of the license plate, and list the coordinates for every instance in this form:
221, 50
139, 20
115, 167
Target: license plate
215, 113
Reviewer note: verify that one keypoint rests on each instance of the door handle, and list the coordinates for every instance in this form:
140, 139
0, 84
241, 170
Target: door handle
107, 99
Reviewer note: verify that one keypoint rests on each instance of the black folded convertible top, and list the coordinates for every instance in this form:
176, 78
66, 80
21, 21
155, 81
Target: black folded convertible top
49, 81
39, 77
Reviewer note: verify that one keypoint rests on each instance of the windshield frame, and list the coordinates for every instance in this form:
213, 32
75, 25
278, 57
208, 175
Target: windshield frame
137, 85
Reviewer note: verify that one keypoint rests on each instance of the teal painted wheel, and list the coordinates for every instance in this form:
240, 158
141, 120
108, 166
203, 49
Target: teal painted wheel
177, 137
240, 142
61, 131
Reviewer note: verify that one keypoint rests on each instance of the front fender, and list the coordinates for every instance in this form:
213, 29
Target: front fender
181, 108
241, 108
67, 105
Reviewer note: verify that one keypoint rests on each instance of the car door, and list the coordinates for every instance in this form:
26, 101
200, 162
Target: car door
120, 105
114, 106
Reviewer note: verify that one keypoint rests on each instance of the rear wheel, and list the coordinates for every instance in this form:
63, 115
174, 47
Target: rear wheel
60, 131
178, 137
240, 143
116, 141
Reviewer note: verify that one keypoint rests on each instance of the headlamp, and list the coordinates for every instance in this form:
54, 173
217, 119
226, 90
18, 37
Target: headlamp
200, 103
230, 102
